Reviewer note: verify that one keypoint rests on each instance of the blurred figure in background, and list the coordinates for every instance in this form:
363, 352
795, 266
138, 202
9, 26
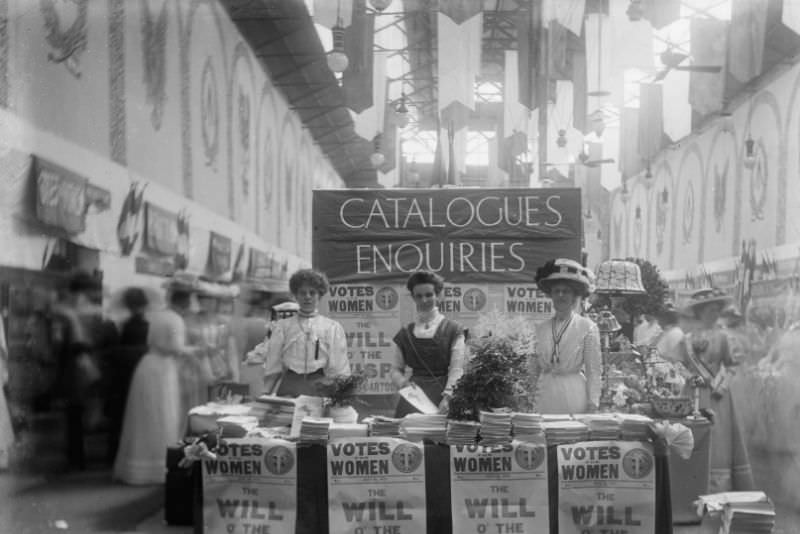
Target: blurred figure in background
738, 339
153, 414
669, 341
6, 431
84, 342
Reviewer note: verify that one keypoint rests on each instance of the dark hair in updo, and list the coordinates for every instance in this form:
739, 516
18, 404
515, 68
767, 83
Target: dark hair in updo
425, 277
309, 277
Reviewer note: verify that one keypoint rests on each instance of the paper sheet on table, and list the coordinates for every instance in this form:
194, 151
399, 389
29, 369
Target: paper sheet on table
418, 399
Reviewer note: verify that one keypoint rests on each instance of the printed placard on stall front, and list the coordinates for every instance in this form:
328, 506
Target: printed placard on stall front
499, 489
376, 485
251, 487
606, 486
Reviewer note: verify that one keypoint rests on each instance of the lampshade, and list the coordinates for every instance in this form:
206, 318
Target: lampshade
380, 5
607, 322
618, 277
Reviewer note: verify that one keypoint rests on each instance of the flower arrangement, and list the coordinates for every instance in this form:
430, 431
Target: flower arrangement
649, 378
341, 390
502, 371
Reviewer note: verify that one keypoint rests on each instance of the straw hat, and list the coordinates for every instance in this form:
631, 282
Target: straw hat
562, 269
707, 296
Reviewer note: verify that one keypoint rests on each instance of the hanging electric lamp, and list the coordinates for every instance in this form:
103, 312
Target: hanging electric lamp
624, 194
377, 158
635, 10
380, 5
337, 58
749, 152
402, 112
561, 141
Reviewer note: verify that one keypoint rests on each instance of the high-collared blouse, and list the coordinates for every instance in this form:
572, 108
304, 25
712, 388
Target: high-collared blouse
304, 345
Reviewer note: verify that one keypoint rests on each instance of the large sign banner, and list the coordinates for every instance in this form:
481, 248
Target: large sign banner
466, 235
606, 486
376, 485
251, 487
499, 489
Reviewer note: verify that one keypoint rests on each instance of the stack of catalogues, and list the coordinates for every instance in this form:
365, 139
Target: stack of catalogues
601, 425
635, 427
418, 427
315, 429
462, 432
527, 426
380, 425
274, 411
495, 427
558, 432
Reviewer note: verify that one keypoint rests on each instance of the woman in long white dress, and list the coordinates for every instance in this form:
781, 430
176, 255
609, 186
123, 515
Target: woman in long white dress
568, 343
6, 430
153, 418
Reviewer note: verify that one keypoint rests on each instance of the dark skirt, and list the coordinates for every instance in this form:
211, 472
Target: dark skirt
294, 384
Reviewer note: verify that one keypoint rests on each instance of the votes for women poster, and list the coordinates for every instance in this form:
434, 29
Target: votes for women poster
606, 486
500, 488
376, 485
251, 487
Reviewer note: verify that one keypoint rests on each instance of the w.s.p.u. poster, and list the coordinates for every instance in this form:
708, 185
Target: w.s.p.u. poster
376, 485
606, 486
251, 487
499, 489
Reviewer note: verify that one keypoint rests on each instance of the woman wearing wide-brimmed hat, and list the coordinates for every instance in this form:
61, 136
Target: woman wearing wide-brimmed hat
568, 343
707, 352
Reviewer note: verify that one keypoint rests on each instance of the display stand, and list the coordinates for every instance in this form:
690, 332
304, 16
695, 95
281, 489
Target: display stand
690, 477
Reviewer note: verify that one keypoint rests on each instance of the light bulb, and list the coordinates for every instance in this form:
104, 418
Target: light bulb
380, 5
337, 58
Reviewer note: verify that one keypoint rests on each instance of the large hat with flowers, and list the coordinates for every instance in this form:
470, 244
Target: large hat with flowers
561, 269
705, 296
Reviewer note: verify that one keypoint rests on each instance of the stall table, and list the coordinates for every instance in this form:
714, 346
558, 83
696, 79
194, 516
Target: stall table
312, 490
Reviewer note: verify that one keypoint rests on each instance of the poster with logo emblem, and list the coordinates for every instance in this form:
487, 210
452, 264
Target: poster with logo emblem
376, 485
499, 488
606, 486
251, 487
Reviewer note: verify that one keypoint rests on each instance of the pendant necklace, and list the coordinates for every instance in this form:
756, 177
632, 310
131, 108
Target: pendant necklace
555, 358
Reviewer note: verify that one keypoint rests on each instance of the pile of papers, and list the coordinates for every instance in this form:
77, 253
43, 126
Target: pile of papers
417, 427
527, 426
558, 432
347, 430
495, 427
741, 511
634, 427
462, 432
315, 429
274, 411
380, 425
203, 418
237, 426
601, 425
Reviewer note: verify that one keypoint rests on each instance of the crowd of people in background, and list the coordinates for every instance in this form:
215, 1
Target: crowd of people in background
143, 371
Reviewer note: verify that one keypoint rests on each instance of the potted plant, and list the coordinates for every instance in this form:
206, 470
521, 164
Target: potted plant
503, 369
340, 394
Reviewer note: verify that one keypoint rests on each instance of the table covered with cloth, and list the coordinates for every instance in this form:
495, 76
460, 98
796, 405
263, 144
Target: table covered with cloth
312, 490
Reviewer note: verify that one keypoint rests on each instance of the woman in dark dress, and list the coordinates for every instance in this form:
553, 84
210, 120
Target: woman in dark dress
432, 347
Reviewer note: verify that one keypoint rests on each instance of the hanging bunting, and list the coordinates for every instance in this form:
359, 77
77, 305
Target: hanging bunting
651, 124
451, 154
458, 10
389, 138
661, 12
630, 162
513, 139
577, 52
358, 40
676, 111
746, 42
708, 45
568, 13
460, 44
528, 37
370, 120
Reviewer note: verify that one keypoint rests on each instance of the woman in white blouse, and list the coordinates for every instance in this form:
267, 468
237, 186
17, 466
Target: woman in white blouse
305, 348
432, 347
568, 343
